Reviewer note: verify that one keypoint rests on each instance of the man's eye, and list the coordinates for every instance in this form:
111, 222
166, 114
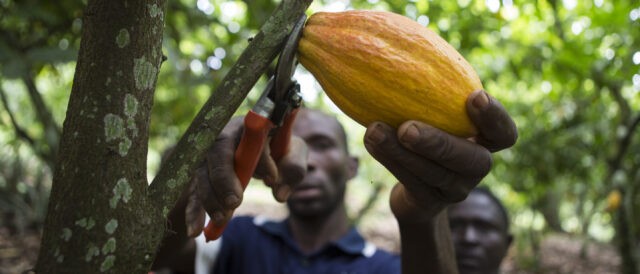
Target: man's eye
485, 227
321, 144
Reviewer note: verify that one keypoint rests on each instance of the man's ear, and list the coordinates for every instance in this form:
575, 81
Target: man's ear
352, 166
509, 240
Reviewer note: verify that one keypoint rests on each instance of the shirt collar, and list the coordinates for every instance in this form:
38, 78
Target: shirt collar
351, 243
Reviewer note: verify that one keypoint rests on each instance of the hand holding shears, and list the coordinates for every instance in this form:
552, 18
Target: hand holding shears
272, 116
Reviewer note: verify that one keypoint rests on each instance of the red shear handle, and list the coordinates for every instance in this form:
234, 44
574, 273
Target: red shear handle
256, 130
280, 142
254, 136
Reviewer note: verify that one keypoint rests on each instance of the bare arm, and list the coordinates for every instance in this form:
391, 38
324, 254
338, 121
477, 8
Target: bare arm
177, 251
436, 169
216, 190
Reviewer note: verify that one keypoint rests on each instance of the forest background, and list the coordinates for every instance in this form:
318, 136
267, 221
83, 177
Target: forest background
567, 71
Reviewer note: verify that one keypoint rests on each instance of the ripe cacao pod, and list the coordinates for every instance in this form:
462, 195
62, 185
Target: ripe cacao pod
614, 199
381, 66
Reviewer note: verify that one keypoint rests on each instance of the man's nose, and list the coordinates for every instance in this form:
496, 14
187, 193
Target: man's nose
312, 161
471, 235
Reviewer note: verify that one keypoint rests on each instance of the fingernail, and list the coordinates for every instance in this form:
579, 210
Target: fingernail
410, 134
269, 180
231, 201
192, 231
376, 135
481, 100
283, 192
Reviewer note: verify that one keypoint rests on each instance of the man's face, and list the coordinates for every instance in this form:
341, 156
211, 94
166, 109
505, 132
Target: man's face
329, 166
479, 234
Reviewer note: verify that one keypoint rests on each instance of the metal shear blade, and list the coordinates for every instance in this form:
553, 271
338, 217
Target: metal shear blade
286, 91
287, 60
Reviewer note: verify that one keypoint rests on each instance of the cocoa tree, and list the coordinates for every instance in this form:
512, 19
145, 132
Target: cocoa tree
103, 215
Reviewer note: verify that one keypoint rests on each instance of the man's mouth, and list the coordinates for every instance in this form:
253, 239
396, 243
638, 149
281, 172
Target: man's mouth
468, 261
306, 192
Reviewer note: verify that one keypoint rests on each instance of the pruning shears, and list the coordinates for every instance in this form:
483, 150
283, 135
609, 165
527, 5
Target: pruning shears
273, 115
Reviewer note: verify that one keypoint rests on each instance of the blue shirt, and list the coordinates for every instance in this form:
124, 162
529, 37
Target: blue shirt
257, 246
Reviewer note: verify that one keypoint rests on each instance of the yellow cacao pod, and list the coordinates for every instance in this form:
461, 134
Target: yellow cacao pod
381, 66
613, 200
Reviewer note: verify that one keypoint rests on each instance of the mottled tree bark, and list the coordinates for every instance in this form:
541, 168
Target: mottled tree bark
102, 215
99, 216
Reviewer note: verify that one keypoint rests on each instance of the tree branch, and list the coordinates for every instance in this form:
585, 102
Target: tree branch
557, 22
22, 134
614, 87
41, 108
167, 186
51, 130
624, 143
368, 205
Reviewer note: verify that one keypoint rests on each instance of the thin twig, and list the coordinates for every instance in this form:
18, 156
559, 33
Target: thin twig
21, 133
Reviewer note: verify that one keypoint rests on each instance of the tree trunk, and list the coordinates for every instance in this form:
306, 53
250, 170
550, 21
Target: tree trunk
625, 234
549, 206
101, 215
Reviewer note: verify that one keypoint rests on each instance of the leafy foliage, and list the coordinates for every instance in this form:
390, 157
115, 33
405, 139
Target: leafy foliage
568, 72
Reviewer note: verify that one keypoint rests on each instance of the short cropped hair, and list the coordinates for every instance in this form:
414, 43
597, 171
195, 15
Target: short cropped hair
342, 132
503, 211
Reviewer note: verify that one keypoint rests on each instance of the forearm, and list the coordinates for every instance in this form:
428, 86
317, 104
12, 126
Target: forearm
427, 246
177, 250
425, 237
